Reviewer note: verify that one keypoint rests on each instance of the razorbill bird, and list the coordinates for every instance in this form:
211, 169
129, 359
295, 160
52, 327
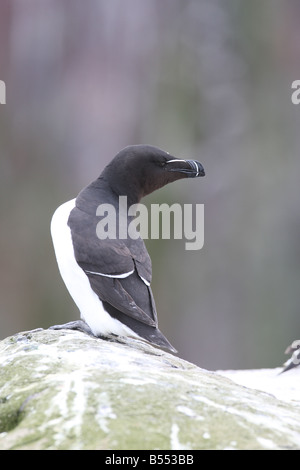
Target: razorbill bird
294, 360
109, 279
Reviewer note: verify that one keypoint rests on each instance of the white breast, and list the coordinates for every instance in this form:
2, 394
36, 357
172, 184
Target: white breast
76, 281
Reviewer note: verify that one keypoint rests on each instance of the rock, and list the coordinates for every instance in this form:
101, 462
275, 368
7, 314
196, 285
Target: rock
66, 390
283, 386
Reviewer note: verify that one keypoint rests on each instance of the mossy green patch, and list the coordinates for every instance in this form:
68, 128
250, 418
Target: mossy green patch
65, 390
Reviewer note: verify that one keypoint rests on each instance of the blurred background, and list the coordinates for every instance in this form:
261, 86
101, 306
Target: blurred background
203, 79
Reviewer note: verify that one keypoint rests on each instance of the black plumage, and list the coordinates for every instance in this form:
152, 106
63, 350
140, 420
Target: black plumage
118, 270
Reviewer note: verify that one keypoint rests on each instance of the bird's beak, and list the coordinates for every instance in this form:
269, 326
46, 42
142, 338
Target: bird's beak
191, 168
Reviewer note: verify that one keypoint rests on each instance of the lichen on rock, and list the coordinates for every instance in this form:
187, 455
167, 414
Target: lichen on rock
66, 390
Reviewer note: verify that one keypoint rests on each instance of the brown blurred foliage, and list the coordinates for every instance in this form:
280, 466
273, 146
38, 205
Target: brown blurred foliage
203, 79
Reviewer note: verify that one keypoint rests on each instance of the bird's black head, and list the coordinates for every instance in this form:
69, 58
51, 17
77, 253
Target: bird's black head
139, 170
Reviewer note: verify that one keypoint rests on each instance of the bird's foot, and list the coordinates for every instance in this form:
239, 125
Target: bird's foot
74, 325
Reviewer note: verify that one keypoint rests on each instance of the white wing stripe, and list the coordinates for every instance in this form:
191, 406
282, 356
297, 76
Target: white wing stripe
145, 281
111, 275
